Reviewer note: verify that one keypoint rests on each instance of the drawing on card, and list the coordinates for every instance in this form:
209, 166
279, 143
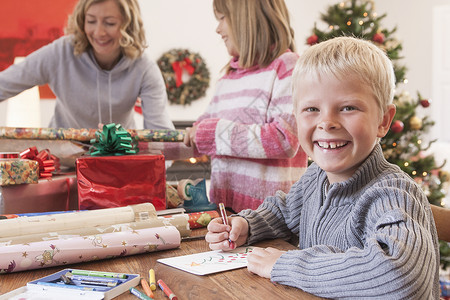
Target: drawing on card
210, 262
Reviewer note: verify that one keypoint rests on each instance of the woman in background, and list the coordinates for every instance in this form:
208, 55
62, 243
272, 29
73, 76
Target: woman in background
97, 70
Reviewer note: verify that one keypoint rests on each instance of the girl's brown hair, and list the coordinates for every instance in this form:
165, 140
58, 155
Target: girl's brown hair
261, 29
133, 40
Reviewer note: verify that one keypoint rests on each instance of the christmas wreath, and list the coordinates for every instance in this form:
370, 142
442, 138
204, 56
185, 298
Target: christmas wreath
185, 74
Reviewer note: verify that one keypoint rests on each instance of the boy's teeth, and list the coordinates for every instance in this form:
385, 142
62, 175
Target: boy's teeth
330, 145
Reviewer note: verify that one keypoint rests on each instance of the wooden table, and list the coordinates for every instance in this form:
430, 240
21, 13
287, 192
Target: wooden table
235, 284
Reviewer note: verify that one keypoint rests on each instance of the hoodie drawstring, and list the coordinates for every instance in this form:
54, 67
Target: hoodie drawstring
109, 93
98, 99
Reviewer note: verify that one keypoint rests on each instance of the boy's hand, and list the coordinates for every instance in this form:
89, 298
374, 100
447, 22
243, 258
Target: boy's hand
261, 260
218, 233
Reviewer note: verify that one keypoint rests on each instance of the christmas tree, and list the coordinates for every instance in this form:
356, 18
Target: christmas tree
404, 145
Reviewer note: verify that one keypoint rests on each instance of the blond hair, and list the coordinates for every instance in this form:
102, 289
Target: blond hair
260, 29
133, 40
348, 57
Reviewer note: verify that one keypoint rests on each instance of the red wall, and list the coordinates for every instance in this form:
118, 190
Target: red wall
27, 25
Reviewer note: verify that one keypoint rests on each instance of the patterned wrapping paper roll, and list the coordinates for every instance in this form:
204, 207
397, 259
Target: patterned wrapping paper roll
202, 218
85, 135
178, 221
44, 254
152, 135
76, 220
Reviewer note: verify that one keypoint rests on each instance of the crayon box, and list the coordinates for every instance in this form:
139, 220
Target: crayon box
74, 284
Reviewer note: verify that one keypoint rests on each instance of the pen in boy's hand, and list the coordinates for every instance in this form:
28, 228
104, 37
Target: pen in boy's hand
225, 221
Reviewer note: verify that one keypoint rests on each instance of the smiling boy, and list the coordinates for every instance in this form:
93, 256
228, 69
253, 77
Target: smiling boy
365, 228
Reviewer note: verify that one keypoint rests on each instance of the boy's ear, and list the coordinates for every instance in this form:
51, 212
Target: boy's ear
385, 124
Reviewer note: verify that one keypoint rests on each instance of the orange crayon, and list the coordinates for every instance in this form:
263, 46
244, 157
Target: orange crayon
146, 288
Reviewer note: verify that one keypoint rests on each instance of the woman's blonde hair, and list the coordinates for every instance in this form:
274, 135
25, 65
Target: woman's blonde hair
348, 58
133, 40
260, 29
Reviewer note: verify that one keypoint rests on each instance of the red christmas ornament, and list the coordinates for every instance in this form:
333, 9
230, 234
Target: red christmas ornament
397, 126
313, 39
378, 38
425, 102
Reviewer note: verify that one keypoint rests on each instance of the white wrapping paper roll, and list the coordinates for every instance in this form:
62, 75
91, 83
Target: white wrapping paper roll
179, 221
82, 219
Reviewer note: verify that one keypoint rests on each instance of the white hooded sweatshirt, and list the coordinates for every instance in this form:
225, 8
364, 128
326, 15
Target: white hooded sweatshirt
88, 95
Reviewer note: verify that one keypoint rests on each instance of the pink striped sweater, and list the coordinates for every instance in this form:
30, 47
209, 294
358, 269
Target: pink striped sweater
249, 132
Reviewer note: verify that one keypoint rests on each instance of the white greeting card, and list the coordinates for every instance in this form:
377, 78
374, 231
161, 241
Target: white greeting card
210, 262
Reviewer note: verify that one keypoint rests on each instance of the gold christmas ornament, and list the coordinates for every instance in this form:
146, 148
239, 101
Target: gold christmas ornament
415, 123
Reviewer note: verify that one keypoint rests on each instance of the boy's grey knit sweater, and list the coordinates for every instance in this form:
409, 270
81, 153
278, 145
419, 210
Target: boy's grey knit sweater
372, 236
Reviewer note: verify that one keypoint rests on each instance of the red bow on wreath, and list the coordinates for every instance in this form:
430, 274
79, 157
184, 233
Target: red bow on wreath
47, 162
178, 67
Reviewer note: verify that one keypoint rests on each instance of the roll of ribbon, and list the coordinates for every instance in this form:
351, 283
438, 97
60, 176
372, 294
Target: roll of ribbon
183, 189
9, 155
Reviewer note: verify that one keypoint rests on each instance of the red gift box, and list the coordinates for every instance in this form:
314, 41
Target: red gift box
116, 181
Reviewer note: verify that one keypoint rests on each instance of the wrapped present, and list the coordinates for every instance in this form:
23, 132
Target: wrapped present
66, 151
57, 194
115, 181
18, 171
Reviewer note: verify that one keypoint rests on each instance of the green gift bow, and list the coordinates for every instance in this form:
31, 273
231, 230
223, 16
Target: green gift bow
113, 140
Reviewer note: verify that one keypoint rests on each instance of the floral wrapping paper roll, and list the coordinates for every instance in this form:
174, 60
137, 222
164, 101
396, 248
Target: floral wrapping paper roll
72, 250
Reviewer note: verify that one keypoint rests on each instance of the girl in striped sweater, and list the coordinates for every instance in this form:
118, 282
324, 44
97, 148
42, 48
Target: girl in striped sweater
248, 128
